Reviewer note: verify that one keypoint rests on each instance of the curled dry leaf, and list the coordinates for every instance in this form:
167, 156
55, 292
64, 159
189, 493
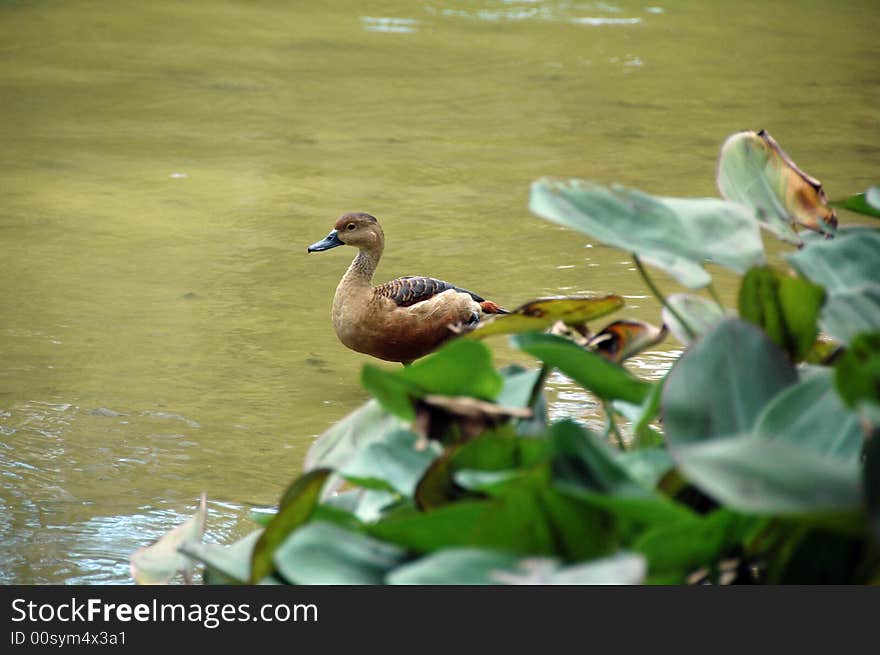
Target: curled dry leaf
755, 171
437, 415
625, 338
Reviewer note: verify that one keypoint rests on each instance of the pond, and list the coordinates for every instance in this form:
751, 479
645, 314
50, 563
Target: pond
165, 165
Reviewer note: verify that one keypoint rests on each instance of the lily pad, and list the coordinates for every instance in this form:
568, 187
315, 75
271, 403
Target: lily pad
721, 385
470, 566
324, 553
812, 415
847, 267
675, 234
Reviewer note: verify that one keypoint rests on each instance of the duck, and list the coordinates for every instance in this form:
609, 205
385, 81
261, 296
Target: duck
401, 320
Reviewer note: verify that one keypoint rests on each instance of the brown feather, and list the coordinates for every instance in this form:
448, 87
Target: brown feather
407, 291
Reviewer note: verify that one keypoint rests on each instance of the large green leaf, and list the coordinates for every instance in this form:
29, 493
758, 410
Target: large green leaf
863, 203
354, 433
721, 385
648, 465
760, 476
324, 553
811, 415
675, 234
849, 313
490, 453
581, 459
393, 464
461, 368
295, 508
755, 171
607, 380
540, 314
455, 566
471, 566
847, 267
871, 479
526, 515
699, 315
677, 549
785, 307
857, 372
840, 264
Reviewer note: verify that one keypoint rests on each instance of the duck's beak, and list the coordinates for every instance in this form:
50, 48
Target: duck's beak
330, 241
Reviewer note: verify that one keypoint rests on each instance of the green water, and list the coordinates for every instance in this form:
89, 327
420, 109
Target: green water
164, 166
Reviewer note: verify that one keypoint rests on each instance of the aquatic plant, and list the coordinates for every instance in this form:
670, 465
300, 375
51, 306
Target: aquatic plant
755, 460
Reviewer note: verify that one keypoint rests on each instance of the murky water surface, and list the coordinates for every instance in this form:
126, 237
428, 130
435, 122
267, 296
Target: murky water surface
165, 164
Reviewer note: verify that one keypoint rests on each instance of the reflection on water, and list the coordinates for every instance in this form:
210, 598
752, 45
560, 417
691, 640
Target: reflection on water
164, 333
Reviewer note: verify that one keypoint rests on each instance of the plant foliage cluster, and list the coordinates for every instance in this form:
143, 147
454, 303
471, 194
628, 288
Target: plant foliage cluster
755, 460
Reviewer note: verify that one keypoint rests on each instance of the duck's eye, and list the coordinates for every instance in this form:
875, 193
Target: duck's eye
350, 226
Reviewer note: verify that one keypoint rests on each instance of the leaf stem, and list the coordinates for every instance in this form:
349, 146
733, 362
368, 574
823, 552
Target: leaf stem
612, 424
715, 296
687, 328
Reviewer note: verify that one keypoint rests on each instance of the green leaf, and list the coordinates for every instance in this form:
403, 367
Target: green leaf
581, 459
721, 385
519, 386
849, 313
345, 439
392, 464
857, 371
864, 203
810, 414
455, 566
607, 380
225, 564
525, 516
160, 562
646, 466
524, 388
498, 452
847, 267
461, 368
491, 452
786, 308
754, 475
871, 479
700, 314
675, 550
675, 234
755, 171
471, 566
295, 508
540, 314
324, 553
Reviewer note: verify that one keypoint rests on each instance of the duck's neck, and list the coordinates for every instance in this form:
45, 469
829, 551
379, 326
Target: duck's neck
360, 273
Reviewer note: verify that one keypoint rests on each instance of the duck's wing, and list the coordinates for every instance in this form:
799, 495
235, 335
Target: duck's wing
407, 291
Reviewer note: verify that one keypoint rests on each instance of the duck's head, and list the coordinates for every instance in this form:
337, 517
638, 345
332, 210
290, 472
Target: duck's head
354, 229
